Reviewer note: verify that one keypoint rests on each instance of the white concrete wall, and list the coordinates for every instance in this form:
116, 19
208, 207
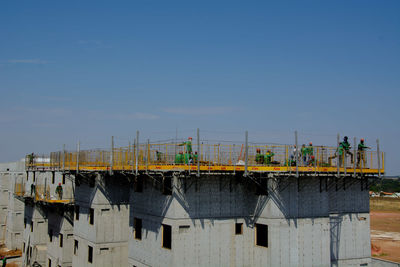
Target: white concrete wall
60, 255
109, 234
4, 196
104, 254
37, 239
11, 212
299, 217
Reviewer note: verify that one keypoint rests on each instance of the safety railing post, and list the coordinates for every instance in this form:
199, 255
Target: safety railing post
383, 160
315, 160
148, 155
338, 156
77, 157
63, 162
379, 158
209, 160
198, 151
133, 155
234, 160
137, 153
345, 162
128, 156
247, 153
354, 157
112, 155
296, 153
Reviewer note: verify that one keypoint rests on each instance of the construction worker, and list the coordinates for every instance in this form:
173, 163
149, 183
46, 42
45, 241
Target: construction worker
304, 153
361, 153
4, 261
188, 150
179, 158
346, 147
310, 151
158, 155
291, 161
33, 191
30, 159
188, 145
268, 157
259, 156
59, 191
311, 161
295, 153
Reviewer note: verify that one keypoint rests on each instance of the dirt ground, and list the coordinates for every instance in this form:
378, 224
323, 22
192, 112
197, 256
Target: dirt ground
10, 253
385, 229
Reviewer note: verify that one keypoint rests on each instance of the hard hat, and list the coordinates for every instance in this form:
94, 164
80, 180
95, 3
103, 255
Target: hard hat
190, 138
59, 183
362, 140
312, 157
310, 143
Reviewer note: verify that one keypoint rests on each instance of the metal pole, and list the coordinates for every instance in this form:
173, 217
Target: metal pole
128, 155
148, 155
112, 155
198, 151
379, 158
77, 157
209, 160
247, 153
296, 153
315, 160
137, 152
176, 140
234, 164
338, 156
63, 166
354, 159
345, 162
133, 155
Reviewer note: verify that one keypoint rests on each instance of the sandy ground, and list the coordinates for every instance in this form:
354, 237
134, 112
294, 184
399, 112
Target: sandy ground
385, 235
14, 262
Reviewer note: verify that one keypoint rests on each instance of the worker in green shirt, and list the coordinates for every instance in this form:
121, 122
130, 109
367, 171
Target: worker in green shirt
310, 151
311, 161
188, 150
59, 191
30, 159
188, 145
268, 157
346, 147
361, 153
159, 156
4, 261
259, 156
195, 157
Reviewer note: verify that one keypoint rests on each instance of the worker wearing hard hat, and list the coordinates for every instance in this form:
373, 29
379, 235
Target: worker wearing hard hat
59, 191
346, 147
361, 153
188, 150
310, 151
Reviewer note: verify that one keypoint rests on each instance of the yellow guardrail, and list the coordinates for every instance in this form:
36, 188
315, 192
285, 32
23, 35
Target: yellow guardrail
19, 189
170, 154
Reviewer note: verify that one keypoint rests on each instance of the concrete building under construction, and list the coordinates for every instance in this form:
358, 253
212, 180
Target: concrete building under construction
190, 203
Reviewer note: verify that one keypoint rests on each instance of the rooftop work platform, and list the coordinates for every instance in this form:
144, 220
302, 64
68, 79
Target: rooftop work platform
214, 157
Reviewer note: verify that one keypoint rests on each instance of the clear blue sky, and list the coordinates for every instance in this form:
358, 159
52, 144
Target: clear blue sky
86, 70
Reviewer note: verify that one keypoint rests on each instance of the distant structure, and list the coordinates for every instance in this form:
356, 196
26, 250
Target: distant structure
189, 203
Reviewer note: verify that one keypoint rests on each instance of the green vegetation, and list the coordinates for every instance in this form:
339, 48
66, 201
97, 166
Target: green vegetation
386, 185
